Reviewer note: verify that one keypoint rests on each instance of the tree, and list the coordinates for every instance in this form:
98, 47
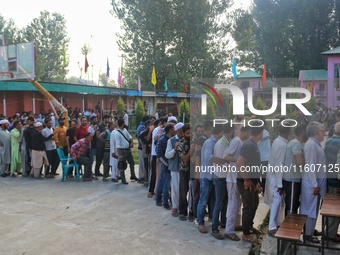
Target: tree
287, 35
106, 81
48, 31
10, 32
120, 107
181, 38
140, 112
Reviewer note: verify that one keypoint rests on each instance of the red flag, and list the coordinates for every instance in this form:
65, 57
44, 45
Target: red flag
311, 87
86, 64
264, 76
185, 88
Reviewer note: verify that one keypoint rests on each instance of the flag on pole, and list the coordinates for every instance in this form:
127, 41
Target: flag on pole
139, 84
185, 88
153, 76
119, 80
264, 77
86, 64
3, 48
233, 68
107, 68
311, 87
165, 85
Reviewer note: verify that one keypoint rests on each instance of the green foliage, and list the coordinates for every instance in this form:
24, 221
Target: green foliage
48, 31
211, 113
10, 32
286, 35
259, 104
120, 107
230, 110
140, 112
184, 109
183, 39
106, 81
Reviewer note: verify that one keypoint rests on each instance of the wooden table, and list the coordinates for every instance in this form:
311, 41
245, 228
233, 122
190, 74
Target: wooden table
330, 208
291, 229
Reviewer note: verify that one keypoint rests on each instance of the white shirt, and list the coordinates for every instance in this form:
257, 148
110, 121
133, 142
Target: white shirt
233, 150
219, 149
121, 142
126, 119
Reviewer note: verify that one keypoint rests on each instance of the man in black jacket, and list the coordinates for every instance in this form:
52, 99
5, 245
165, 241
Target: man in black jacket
39, 157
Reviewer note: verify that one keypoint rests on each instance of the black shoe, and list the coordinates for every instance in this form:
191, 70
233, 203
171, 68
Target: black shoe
125, 182
167, 207
119, 178
114, 180
133, 178
99, 174
56, 174
105, 180
3, 175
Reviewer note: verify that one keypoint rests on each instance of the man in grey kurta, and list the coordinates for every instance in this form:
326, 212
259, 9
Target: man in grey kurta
313, 184
5, 147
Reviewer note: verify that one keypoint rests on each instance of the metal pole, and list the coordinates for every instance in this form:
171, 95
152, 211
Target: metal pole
4, 101
33, 102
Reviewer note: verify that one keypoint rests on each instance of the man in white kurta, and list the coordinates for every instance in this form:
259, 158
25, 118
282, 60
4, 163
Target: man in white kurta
274, 194
114, 155
231, 154
313, 184
5, 147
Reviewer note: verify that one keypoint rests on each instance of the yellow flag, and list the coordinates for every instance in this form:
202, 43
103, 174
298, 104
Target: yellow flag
153, 76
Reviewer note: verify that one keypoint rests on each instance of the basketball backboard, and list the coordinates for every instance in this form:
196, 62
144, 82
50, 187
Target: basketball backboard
17, 61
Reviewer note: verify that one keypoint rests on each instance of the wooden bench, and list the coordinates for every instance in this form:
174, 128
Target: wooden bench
290, 230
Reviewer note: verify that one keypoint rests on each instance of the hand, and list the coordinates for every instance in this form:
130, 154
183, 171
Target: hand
248, 184
316, 191
280, 190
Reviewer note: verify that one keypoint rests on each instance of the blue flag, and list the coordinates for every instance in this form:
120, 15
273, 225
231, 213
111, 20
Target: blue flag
107, 68
233, 68
165, 85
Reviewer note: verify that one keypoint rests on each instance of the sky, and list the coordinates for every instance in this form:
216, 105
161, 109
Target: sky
88, 22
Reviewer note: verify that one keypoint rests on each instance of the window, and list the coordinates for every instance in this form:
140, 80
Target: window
338, 98
245, 84
322, 86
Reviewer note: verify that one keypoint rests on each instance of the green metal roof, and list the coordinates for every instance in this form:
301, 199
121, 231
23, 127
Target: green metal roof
248, 74
53, 87
335, 51
317, 75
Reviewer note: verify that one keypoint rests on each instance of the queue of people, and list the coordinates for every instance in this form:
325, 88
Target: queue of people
181, 166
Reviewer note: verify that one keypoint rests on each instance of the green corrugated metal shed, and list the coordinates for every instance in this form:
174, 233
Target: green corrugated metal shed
335, 51
248, 74
317, 75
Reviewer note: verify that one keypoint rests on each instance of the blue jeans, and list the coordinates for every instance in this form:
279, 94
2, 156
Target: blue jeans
93, 152
206, 186
163, 186
220, 186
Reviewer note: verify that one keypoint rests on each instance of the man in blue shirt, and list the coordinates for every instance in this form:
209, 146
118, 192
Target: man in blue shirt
206, 182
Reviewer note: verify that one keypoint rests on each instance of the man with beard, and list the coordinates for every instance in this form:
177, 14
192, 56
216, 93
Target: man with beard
81, 130
313, 184
59, 135
5, 148
183, 150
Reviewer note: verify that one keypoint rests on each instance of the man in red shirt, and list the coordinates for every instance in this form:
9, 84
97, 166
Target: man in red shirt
78, 153
82, 129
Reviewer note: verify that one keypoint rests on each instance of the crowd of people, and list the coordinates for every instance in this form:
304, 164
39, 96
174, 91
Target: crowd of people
184, 167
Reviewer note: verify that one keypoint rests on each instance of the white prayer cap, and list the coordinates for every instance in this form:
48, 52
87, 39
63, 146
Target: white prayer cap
172, 118
4, 122
38, 124
179, 125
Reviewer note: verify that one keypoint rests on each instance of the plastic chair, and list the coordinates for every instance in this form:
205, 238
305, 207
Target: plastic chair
65, 161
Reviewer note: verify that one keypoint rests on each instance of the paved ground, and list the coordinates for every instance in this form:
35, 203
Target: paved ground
50, 217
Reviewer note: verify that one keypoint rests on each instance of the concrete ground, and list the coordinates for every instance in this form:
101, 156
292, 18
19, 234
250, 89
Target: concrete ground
52, 217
